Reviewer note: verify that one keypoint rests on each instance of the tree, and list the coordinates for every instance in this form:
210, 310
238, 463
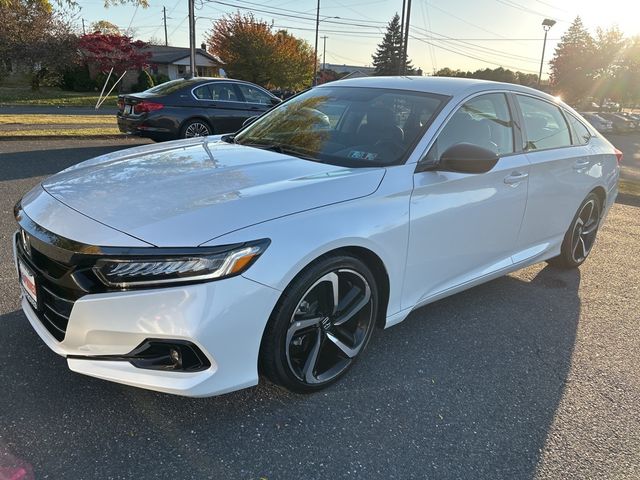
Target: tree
35, 40
388, 56
572, 66
251, 51
103, 26
496, 74
609, 52
106, 51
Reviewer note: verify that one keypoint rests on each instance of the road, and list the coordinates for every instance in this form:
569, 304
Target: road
531, 376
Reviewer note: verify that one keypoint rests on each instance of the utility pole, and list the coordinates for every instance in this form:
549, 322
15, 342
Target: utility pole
315, 50
164, 14
192, 38
406, 39
324, 51
83, 30
404, 4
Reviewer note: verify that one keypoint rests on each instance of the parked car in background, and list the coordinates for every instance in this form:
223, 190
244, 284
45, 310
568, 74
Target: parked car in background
192, 108
620, 123
634, 117
599, 123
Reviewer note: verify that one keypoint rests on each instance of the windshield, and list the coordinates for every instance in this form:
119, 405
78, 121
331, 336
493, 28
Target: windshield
350, 126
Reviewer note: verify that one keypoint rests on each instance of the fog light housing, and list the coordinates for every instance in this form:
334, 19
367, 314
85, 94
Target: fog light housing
171, 355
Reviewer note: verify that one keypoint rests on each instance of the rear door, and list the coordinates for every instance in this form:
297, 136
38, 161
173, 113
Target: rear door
560, 161
224, 108
465, 226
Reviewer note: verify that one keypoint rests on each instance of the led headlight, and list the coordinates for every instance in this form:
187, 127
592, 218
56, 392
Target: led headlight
153, 270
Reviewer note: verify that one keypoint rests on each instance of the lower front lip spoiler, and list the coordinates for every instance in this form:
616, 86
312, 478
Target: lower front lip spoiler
159, 354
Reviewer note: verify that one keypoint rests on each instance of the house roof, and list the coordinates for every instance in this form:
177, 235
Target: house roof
165, 54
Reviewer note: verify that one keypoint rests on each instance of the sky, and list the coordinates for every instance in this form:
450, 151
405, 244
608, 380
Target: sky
459, 34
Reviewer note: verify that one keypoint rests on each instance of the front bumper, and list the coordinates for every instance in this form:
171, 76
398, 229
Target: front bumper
225, 319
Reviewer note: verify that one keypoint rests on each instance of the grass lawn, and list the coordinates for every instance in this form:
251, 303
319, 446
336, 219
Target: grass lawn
36, 119
50, 96
57, 125
629, 187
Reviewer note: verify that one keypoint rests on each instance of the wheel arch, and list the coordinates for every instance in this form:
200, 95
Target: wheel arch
601, 194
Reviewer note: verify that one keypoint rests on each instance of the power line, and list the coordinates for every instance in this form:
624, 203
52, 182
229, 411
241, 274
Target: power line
475, 57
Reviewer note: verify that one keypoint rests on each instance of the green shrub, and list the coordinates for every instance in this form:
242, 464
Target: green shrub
77, 79
159, 78
145, 81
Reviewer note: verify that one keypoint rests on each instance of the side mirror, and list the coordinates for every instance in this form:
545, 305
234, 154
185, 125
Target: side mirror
467, 158
275, 101
250, 120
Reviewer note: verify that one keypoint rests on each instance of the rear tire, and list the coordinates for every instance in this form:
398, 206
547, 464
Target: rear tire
321, 324
195, 128
579, 239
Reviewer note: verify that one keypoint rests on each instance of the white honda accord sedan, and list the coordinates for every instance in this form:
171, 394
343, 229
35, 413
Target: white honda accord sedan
192, 267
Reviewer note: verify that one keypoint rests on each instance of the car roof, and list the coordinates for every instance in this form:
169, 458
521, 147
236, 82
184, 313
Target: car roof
450, 86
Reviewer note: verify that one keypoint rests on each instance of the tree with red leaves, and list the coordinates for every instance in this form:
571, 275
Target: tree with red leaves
106, 51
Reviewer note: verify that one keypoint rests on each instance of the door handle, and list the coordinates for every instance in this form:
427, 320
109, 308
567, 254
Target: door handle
515, 177
580, 164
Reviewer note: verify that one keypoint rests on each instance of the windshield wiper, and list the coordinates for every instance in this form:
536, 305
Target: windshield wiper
285, 150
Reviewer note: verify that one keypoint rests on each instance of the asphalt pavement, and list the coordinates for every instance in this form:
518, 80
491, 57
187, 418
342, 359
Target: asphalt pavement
531, 376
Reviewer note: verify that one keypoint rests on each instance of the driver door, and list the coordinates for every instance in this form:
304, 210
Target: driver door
465, 226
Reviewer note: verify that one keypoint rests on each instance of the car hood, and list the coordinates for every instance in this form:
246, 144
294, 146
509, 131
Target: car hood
186, 193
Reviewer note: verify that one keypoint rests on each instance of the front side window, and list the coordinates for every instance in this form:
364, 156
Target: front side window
544, 124
254, 95
581, 134
484, 121
346, 126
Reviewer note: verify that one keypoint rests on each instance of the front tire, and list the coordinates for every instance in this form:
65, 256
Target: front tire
321, 324
579, 239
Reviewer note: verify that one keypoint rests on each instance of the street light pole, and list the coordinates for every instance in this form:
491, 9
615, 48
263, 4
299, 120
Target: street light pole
315, 50
547, 23
192, 38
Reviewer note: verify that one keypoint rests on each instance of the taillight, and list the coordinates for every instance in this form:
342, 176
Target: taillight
619, 155
145, 107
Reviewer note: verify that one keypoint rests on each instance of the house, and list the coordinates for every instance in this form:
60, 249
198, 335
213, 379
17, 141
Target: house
174, 61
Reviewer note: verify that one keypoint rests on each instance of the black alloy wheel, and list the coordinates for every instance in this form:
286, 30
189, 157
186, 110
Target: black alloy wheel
322, 324
581, 236
195, 128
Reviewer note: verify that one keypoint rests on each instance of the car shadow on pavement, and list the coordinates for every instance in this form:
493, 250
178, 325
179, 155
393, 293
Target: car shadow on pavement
465, 388
36, 163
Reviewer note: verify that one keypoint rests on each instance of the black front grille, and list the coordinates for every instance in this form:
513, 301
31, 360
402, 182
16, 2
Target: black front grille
56, 288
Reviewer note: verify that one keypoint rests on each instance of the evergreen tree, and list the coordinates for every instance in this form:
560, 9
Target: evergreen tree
572, 66
387, 58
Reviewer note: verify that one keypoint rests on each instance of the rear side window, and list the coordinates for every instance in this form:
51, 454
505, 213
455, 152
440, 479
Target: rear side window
544, 124
581, 135
202, 93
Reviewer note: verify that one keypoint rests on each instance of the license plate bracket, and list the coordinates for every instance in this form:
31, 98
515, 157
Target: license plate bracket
28, 283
